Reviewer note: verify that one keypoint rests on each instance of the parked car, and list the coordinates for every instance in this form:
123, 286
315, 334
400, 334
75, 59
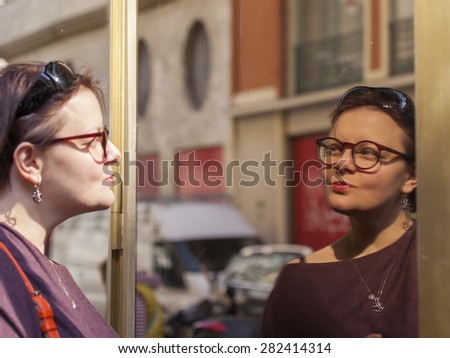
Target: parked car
250, 275
190, 243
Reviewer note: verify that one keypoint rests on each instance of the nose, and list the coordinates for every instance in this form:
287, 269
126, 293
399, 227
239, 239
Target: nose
113, 153
346, 162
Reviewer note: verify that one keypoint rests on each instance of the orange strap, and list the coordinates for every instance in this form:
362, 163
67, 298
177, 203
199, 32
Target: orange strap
44, 310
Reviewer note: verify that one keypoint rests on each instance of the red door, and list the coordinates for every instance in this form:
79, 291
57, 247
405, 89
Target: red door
314, 223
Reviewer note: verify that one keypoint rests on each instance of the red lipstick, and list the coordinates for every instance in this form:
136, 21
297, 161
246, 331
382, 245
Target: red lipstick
341, 186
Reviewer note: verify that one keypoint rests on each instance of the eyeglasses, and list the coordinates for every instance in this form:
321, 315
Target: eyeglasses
99, 153
391, 96
55, 76
365, 154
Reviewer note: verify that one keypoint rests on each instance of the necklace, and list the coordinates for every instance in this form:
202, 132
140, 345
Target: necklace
61, 284
377, 305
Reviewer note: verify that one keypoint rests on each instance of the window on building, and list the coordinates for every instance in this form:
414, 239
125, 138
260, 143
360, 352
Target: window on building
197, 64
329, 43
401, 30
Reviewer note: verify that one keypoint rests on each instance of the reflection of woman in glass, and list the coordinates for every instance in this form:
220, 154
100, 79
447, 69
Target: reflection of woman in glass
53, 152
364, 284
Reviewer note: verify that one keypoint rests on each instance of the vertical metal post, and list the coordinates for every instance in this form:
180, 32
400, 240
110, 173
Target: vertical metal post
122, 259
433, 127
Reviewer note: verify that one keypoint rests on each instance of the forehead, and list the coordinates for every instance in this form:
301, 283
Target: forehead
366, 123
81, 113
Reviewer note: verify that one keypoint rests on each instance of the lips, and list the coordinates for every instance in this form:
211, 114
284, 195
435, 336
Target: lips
341, 186
111, 180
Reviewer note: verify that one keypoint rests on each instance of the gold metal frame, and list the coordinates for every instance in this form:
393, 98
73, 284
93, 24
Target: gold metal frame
121, 281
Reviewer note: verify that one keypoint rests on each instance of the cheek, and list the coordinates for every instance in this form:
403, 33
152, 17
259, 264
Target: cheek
385, 184
74, 172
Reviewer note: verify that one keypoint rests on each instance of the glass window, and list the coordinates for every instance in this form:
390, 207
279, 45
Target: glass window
329, 51
401, 36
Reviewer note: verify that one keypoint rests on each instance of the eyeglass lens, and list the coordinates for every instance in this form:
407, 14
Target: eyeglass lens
365, 155
59, 73
99, 146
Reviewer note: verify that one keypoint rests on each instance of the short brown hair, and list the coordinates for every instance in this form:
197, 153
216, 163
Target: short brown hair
16, 79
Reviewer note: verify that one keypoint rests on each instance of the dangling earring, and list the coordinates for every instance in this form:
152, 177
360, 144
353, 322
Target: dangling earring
405, 204
37, 194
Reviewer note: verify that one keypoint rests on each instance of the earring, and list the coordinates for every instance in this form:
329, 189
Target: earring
37, 194
405, 204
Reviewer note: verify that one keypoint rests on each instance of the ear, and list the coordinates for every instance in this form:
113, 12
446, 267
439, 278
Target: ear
28, 161
410, 182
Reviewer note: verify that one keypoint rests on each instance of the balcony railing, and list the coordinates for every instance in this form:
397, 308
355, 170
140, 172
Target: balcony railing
329, 62
402, 46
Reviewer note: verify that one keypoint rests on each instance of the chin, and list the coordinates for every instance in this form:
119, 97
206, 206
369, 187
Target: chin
341, 206
103, 204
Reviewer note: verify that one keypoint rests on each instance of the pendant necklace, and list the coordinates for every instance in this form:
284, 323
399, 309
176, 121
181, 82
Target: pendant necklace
377, 305
61, 284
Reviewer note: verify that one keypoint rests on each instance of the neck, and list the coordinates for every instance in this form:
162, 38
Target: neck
31, 227
364, 239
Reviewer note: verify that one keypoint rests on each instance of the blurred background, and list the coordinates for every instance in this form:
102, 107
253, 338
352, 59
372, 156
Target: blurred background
232, 95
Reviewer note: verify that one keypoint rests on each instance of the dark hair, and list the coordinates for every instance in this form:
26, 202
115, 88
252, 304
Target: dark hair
15, 81
395, 103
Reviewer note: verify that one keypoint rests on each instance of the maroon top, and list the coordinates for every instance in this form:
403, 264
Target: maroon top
75, 316
328, 300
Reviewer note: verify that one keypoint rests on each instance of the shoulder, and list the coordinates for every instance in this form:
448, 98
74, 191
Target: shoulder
325, 254
17, 311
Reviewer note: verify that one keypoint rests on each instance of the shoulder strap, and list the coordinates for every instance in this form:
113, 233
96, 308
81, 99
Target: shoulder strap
44, 310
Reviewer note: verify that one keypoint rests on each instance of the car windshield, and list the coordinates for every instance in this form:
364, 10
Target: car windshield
258, 267
214, 254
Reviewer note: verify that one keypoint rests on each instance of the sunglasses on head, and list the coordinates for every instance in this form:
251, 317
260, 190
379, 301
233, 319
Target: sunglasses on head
55, 76
391, 96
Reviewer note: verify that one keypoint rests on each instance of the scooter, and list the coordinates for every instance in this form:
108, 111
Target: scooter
213, 317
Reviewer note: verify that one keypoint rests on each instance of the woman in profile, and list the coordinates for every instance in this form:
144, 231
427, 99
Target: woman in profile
53, 152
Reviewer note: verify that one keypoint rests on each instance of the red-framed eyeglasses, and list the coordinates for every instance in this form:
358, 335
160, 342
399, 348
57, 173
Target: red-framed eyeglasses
97, 154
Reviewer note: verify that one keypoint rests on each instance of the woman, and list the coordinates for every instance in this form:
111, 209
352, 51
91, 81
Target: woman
365, 284
54, 154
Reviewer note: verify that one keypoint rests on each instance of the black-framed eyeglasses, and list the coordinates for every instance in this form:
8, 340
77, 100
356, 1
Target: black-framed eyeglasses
365, 154
55, 76
390, 96
99, 154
